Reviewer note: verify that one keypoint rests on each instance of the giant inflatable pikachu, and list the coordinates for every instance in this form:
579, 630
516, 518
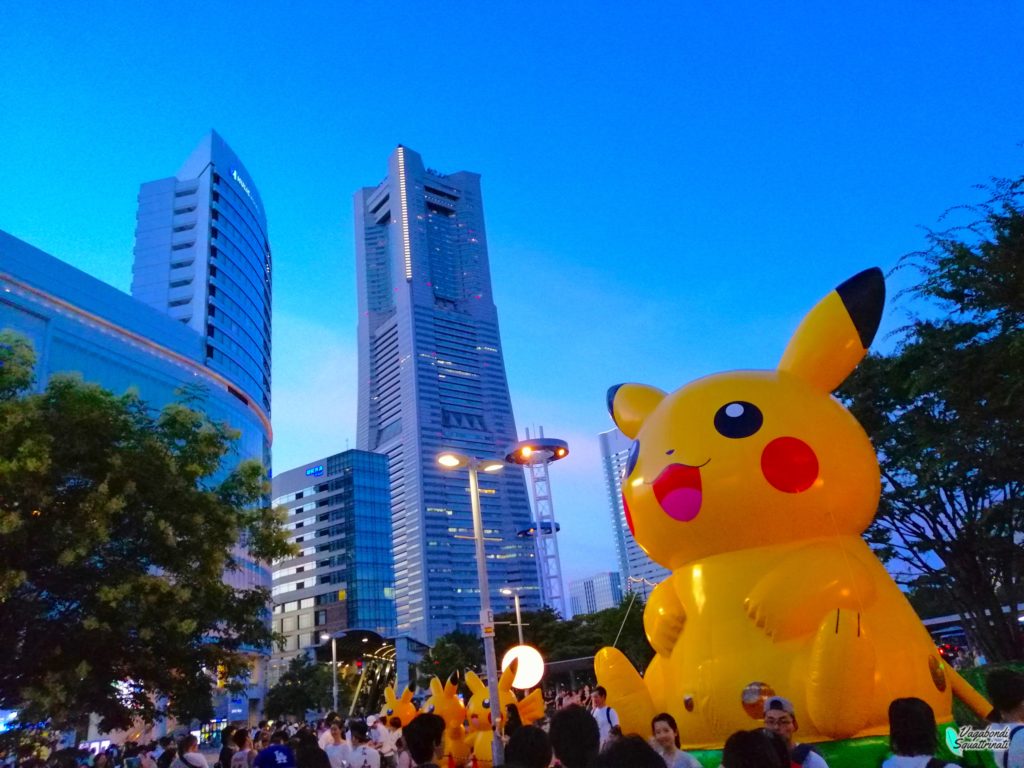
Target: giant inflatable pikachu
753, 488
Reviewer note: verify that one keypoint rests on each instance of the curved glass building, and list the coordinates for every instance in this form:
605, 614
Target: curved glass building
202, 256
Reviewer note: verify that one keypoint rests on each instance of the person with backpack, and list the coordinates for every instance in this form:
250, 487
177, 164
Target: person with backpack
780, 718
912, 736
1006, 690
606, 717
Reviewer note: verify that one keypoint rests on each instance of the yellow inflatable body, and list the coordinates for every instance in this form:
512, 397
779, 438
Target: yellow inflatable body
481, 715
753, 488
444, 701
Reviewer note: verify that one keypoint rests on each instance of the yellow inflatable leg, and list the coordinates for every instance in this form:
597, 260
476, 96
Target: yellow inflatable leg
627, 692
841, 677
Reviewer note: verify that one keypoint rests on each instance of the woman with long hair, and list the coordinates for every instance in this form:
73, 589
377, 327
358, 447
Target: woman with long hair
666, 742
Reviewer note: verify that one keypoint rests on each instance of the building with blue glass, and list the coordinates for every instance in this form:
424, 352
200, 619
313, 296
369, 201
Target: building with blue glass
432, 377
637, 570
202, 257
339, 517
80, 325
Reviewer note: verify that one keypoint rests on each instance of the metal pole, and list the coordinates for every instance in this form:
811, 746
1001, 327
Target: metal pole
519, 618
334, 670
486, 615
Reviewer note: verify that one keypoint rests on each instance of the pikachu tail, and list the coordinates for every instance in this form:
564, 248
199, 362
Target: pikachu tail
964, 691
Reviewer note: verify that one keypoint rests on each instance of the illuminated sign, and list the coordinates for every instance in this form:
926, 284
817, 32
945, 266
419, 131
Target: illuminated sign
242, 184
316, 471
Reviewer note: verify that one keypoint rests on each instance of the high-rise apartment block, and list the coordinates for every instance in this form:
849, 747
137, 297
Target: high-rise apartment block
600, 591
339, 516
202, 256
638, 571
432, 377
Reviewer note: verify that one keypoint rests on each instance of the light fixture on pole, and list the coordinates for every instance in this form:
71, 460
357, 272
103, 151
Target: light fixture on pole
519, 615
453, 460
535, 454
334, 667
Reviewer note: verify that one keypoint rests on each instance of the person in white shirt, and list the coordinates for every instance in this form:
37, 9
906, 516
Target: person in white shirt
606, 717
362, 755
1006, 690
337, 749
666, 743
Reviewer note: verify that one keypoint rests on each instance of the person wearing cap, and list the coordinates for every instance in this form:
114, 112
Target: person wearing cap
780, 718
1006, 690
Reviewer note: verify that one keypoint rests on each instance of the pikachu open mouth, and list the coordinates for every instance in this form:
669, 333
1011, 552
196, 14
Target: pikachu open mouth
678, 490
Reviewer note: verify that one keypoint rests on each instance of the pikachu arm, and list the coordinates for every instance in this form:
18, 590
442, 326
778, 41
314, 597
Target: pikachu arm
664, 617
792, 599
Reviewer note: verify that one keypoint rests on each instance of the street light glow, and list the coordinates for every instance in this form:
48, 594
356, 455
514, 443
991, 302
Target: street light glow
505, 591
449, 460
526, 451
324, 637
492, 466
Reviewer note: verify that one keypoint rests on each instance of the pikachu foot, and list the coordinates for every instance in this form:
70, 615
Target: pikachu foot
627, 691
841, 677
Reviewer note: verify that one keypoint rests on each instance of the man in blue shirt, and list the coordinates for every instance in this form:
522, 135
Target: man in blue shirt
277, 755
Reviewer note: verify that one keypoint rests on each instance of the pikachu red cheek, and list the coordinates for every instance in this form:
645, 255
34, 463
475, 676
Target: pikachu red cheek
789, 464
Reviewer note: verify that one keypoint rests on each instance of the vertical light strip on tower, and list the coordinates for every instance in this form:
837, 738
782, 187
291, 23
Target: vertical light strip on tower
546, 535
404, 205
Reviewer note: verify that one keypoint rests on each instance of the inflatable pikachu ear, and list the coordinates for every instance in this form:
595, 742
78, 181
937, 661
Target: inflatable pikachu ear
475, 684
835, 335
630, 404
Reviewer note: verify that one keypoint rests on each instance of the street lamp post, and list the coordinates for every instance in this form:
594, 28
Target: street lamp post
334, 668
450, 460
519, 615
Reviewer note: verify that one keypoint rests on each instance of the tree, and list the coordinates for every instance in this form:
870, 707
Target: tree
452, 655
116, 527
946, 414
305, 686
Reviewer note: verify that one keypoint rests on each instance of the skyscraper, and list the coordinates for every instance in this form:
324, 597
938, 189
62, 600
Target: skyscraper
339, 516
638, 571
202, 257
432, 376
599, 592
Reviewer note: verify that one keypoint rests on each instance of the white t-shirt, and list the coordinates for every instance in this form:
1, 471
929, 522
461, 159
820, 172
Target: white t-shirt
911, 761
364, 757
338, 754
606, 717
325, 739
679, 759
813, 760
1014, 756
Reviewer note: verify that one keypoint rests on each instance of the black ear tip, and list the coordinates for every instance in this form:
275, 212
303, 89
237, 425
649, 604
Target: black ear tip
863, 296
610, 398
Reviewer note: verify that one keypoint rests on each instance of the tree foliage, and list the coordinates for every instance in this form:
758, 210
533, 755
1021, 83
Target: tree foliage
557, 639
451, 657
305, 686
946, 413
117, 525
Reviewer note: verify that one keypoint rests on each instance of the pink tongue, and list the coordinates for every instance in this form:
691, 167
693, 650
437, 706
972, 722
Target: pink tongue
682, 504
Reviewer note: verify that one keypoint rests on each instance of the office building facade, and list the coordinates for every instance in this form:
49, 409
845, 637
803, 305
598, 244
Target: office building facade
599, 592
639, 572
339, 516
80, 325
202, 257
432, 377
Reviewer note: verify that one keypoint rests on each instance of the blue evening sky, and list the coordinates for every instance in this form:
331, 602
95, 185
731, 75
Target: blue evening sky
668, 186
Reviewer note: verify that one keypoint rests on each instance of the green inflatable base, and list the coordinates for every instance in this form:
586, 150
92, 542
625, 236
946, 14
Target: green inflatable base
867, 752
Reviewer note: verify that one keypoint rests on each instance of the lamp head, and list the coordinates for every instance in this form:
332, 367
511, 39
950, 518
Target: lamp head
452, 460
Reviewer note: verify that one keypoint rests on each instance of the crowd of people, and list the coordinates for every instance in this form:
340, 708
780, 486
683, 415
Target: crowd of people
581, 732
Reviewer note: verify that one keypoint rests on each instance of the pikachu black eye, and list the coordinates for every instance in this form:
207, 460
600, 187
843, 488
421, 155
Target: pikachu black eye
631, 457
738, 419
